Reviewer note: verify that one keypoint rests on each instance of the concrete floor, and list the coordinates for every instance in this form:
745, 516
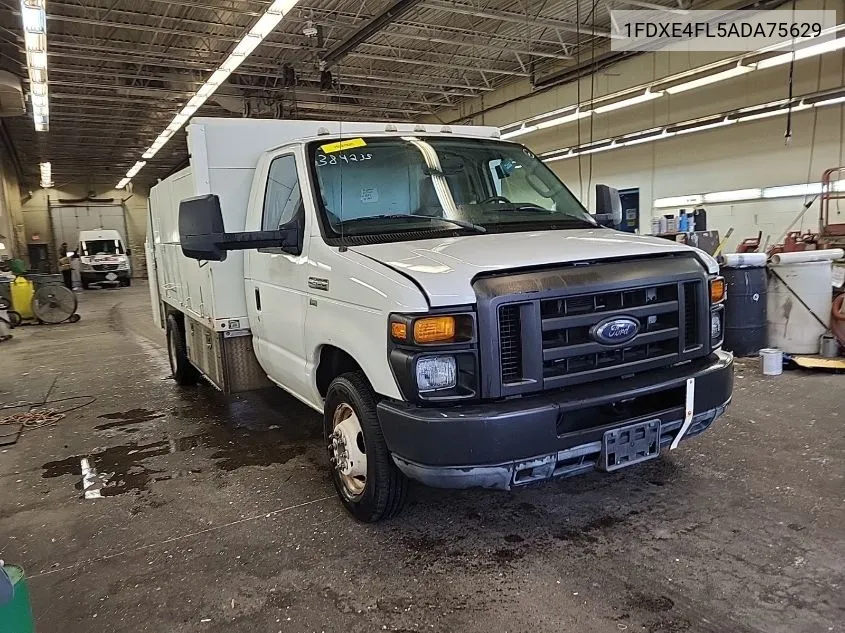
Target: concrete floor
219, 514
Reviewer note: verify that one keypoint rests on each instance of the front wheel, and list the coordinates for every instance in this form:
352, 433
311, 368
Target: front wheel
184, 373
368, 482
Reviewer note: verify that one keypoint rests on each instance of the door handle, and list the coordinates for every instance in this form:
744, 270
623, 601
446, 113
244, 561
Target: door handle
257, 300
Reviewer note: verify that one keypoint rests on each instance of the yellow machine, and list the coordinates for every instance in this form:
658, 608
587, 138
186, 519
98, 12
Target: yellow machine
40, 302
22, 290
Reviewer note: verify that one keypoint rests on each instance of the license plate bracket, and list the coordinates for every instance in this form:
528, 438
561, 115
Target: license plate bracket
630, 445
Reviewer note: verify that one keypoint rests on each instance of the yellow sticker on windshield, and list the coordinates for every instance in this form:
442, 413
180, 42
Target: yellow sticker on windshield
352, 143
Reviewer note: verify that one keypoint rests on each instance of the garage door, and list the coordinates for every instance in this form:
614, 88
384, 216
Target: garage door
69, 220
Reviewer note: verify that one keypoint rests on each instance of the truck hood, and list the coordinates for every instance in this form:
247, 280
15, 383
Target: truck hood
446, 267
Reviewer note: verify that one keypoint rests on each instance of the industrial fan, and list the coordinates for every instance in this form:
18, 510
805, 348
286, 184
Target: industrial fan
48, 303
53, 303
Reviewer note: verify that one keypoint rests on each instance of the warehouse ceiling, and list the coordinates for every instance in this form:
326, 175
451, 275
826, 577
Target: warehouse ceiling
119, 70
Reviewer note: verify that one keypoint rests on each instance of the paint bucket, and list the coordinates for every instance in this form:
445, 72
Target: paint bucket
16, 615
828, 346
772, 361
655, 226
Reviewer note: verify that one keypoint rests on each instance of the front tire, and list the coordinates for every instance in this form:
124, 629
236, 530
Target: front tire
369, 484
184, 373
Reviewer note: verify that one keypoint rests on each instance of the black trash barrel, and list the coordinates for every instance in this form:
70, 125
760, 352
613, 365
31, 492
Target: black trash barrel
745, 310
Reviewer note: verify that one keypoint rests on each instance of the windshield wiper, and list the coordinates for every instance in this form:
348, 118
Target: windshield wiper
390, 216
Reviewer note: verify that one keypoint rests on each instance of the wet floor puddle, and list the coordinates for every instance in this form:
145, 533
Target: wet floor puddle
236, 432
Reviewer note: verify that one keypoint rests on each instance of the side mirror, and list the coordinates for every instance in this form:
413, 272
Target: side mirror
128, 252
203, 236
608, 207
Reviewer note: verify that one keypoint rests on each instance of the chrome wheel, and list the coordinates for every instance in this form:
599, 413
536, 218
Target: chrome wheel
348, 452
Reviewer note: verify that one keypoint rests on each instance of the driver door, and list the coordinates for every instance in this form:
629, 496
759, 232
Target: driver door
275, 281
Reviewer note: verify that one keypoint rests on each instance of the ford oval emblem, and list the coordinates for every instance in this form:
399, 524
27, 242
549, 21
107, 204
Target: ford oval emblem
615, 330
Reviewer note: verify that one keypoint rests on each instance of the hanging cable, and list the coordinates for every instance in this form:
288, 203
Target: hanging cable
787, 135
592, 93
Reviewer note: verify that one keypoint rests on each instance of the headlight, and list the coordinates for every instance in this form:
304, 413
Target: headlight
85, 266
434, 357
122, 266
436, 372
717, 326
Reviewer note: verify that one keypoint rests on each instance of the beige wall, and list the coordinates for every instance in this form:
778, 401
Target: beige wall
739, 156
11, 219
37, 218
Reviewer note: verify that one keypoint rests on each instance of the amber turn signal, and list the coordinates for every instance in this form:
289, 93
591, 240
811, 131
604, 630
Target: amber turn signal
399, 331
717, 290
440, 329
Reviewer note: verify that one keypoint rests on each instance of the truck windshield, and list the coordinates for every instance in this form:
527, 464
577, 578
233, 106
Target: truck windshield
373, 186
101, 247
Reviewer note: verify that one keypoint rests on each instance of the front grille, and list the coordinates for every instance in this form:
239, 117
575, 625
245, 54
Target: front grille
538, 328
570, 350
104, 267
691, 326
510, 343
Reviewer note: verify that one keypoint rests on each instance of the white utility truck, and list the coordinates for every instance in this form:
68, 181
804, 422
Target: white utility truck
440, 296
103, 258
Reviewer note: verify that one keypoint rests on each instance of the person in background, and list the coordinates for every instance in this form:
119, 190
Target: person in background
63, 250
76, 275
65, 269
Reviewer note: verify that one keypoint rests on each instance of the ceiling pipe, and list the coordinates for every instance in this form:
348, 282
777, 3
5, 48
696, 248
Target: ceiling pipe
385, 18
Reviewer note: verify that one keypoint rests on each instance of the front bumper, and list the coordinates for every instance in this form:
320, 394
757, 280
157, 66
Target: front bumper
514, 442
99, 276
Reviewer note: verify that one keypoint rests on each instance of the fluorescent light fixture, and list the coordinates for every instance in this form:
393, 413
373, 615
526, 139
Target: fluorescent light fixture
518, 132
248, 43
35, 41
828, 102
37, 75
34, 22
648, 95
218, 77
37, 59
736, 71
707, 126
740, 195
733, 196
46, 175
33, 17
793, 191
194, 104
802, 53
679, 201
578, 114
135, 168
281, 6
527, 126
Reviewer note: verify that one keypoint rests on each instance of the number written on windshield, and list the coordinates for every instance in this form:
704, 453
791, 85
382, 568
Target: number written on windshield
322, 160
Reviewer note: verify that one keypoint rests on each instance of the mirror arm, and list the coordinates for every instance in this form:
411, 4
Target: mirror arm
250, 239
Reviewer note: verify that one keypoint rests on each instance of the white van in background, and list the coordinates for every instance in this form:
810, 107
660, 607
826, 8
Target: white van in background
104, 258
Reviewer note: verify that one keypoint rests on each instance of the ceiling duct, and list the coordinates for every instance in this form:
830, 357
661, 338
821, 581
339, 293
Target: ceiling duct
11, 95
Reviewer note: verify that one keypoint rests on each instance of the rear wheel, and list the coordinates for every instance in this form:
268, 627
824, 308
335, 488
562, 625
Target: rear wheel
184, 373
368, 482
